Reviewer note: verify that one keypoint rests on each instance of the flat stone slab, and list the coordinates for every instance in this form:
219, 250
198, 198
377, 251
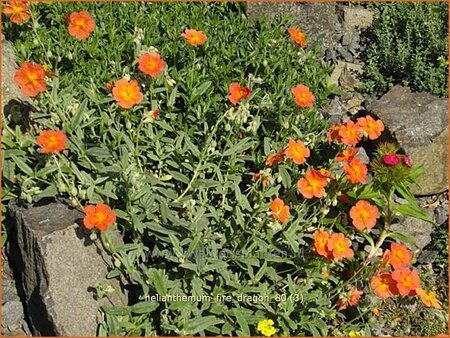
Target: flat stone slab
59, 268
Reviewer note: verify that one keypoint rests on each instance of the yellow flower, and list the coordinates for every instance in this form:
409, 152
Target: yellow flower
354, 334
266, 327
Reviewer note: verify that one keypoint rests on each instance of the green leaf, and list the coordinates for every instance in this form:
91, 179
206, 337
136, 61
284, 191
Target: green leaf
413, 211
144, 307
402, 237
74, 124
179, 176
200, 324
158, 282
172, 98
285, 177
200, 90
22, 165
50, 191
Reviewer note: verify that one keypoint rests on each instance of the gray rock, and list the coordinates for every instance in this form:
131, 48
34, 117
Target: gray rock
346, 55
10, 91
335, 111
349, 80
356, 17
347, 39
12, 314
418, 122
418, 230
318, 20
353, 48
59, 267
441, 213
330, 54
9, 291
362, 156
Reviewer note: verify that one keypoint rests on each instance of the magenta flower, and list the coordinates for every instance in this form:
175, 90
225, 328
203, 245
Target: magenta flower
406, 161
391, 159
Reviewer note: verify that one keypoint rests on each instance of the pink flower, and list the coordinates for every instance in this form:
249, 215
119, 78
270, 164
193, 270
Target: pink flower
406, 161
391, 159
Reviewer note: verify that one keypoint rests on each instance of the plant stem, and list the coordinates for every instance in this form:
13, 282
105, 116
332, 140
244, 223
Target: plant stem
202, 159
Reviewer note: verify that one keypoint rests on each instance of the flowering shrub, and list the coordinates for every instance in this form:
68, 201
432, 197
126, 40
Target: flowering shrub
242, 213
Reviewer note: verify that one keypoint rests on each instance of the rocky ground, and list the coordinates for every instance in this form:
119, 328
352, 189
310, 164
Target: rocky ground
13, 316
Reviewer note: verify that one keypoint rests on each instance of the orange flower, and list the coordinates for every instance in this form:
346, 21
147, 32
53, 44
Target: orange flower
399, 256
99, 216
347, 155
297, 151
303, 97
81, 25
339, 246
371, 127
383, 285
407, 280
349, 133
354, 296
429, 298
151, 64
264, 179
333, 133
313, 184
320, 243
30, 77
51, 141
274, 159
279, 211
18, 11
127, 93
298, 36
194, 37
350, 299
356, 171
364, 215
237, 93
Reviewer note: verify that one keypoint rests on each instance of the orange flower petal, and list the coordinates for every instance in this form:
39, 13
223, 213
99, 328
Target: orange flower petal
297, 151
30, 78
81, 25
52, 141
364, 215
194, 37
303, 96
151, 64
298, 36
237, 93
127, 93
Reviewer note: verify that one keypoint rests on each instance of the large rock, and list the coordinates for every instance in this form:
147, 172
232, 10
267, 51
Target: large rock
59, 266
416, 229
316, 19
419, 123
356, 17
10, 90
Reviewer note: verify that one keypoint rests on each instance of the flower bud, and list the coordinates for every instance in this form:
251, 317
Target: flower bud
74, 191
